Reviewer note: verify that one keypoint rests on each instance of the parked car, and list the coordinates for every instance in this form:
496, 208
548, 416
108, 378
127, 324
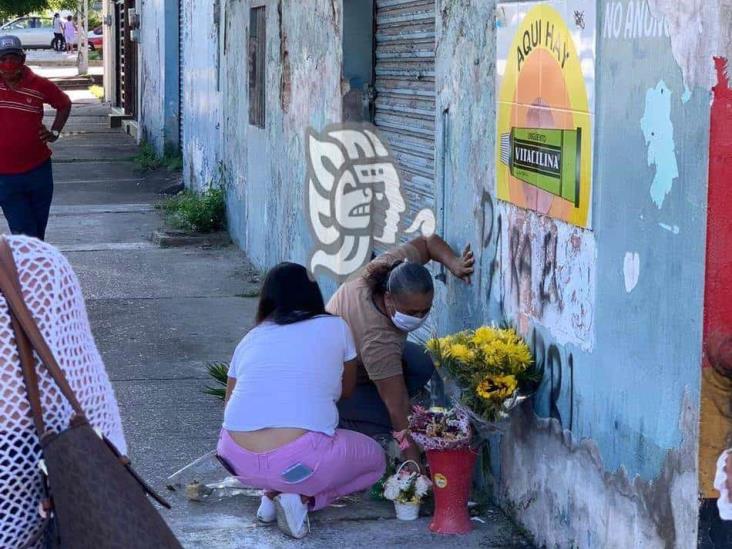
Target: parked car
96, 39
33, 31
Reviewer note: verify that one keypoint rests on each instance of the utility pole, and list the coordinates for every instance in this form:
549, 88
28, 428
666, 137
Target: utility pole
83, 45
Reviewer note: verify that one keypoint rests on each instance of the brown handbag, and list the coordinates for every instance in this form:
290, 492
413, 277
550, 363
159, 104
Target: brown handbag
96, 500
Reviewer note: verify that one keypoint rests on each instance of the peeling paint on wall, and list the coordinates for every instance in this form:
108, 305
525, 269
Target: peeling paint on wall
547, 275
674, 229
631, 270
202, 100
698, 34
596, 508
152, 64
659, 135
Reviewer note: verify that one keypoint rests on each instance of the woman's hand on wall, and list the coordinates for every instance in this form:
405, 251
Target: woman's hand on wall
434, 248
462, 266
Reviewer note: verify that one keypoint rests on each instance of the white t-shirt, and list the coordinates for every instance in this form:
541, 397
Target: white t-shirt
58, 26
290, 376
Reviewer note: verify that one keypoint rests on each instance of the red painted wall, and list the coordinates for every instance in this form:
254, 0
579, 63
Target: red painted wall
718, 289
716, 386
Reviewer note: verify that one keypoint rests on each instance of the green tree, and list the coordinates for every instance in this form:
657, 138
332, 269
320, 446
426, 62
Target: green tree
12, 8
65, 4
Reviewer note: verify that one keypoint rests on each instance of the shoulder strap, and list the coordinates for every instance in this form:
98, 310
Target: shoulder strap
23, 319
30, 376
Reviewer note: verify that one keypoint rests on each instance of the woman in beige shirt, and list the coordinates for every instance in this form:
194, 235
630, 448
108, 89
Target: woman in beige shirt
391, 297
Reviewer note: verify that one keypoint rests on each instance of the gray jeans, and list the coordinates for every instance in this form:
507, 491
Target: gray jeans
366, 413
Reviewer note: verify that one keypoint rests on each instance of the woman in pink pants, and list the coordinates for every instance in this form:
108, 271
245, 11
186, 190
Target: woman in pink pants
279, 431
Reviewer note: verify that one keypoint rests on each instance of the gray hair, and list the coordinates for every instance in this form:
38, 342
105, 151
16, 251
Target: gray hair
409, 278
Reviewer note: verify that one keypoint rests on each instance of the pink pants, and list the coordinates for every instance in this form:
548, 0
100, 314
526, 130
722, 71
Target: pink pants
345, 463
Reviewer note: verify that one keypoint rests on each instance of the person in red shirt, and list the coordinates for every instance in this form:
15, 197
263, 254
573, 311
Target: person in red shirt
26, 178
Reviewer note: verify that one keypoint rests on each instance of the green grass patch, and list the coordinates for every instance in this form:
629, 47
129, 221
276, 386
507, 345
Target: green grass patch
95, 55
203, 212
148, 159
173, 162
97, 91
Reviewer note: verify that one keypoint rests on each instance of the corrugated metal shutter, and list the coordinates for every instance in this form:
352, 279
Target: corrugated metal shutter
405, 92
405, 100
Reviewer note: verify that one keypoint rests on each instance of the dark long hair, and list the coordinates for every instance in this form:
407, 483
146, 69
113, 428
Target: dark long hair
289, 295
400, 277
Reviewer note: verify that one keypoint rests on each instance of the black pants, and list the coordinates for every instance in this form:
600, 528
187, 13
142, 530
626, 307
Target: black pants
26, 200
59, 42
366, 413
714, 533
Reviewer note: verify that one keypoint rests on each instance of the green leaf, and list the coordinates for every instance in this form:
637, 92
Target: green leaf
219, 372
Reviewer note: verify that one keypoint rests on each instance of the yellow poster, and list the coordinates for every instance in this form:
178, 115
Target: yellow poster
545, 78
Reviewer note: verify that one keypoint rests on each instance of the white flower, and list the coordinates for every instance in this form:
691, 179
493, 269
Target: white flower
422, 486
391, 488
405, 482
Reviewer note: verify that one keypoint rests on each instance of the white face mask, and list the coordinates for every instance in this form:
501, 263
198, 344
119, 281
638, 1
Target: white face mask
408, 323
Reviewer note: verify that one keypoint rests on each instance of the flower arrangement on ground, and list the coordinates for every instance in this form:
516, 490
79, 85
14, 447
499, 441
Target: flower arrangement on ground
447, 436
440, 428
407, 489
489, 365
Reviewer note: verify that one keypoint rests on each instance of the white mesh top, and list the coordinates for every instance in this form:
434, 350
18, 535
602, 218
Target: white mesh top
54, 297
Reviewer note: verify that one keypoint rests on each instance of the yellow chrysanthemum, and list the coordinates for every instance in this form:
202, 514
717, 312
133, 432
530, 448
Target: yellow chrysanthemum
512, 356
485, 351
433, 345
496, 387
484, 335
520, 358
460, 352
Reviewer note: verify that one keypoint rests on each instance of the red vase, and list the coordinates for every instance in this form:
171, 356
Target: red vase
452, 477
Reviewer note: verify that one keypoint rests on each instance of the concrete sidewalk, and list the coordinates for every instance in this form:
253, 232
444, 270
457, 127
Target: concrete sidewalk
49, 61
159, 316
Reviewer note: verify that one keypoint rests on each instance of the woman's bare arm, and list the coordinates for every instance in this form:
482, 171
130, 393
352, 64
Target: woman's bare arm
350, 377
393, 391
230, 384
434, 248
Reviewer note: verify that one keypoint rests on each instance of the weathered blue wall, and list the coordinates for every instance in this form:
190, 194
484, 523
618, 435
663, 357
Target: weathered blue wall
159, 84
645, 129
201, 92
620, 354
266, 167
152, 78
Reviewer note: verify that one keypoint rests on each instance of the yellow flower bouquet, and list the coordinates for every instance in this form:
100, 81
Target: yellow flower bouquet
486, 370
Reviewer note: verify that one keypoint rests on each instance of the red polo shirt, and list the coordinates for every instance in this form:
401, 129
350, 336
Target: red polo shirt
21, 117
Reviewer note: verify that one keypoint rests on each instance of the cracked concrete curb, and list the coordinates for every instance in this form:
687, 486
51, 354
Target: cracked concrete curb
166, 238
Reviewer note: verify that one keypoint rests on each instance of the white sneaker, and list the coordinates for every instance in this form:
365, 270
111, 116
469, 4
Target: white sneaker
266, 512
292, 515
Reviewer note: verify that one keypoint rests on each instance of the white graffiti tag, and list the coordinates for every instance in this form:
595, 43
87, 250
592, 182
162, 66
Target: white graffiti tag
353, 198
